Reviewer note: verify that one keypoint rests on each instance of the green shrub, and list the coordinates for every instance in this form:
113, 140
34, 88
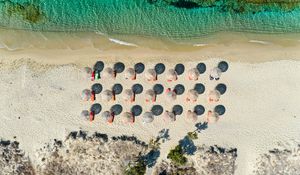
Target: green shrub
137, 169
177, 156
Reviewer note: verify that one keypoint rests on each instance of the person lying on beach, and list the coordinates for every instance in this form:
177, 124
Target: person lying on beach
128, 117
128, 95
171, 94
151, 75
215, 73
192, 95
150, 95
169, 116
108, 116
130, 74
193, 74
214, 96
212, 117
191, 116
171, 75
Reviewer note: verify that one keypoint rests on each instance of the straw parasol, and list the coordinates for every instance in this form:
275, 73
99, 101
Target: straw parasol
130, 74
214, 96
86, 94
199, 109
150, 75
136, 110
98, 67
200, 88
177, 109
128, 95
220, 110
97, 88
223, 66
192, 95
139, 68
159, 68
85, 114
171, 95
119, 67
193, 74
108, 73
157, 110
150, 95
107, 95
148, 117
215, 73
212, 117
179, 89
179, 68
221, 88
171, 75
169, 116
158, 89
116, 109
96, 108
191, 116
201, 67
128, 117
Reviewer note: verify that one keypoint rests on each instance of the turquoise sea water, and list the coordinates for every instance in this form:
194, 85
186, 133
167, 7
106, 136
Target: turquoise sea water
139, 17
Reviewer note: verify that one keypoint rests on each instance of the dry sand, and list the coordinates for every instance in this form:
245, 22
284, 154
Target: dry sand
40, 97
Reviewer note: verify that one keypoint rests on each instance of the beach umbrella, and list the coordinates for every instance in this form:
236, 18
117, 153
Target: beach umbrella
136, 110
215, 73
150, 75
85, 114
157, 110
179, 68
128, 95
179, 89
117, 89
220, 109
221, 88
214, 96
193, 74
116, 109
158, 89
159, 68
171, 75
107, 95
97, 88
137, 88
130, 74
86, 94
169, 116
199, 109
201, 67
119, 67
200, 88
99, 66
177, 109
96, 108
128, 117
223, 66
148, 117
150, 95
108, 73
171, 95
139, 68
191, 115
212, 117
192, 95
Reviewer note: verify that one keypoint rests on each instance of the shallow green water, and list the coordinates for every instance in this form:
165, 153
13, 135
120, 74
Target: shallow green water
139, 17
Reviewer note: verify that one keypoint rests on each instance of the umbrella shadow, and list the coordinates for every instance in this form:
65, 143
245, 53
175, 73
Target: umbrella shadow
201, 126
151, 158
163, 135
188, 145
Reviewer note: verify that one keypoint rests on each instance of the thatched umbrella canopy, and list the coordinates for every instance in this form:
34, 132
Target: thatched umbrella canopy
201, 67
159, 68
150, 95
171, 75
148, 117
215, 73
130, 74
169, 116
117, 88
212, 117
223, 66
128, 117
119, 67
97, 88
116, 109
179, 68
139, 68
137, 88
158, 89
157, 110
107, 95
86, 94
214, 96
191, 116
85, 114
220, 110
200, 88
150, 75
98, 67
193, 74
177, 109
108, 73
179, 89
221, 88
192, 95
96, 108
128, 95
199, 109
136, 110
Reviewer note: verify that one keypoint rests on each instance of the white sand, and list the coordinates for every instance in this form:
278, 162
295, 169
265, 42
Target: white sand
262, 102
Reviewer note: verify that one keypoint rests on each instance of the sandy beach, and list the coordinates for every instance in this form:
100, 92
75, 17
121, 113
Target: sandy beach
40, 92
